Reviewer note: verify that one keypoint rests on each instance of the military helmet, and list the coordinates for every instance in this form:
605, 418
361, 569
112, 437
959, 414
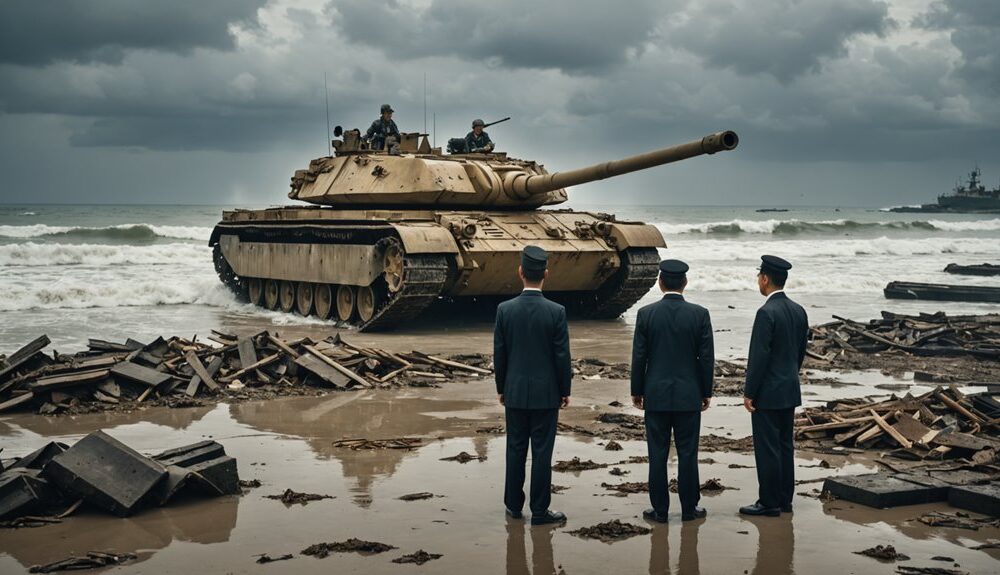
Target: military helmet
387, 108
478, 122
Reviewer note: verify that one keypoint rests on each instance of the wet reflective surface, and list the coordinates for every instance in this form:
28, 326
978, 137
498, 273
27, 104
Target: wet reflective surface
289, 444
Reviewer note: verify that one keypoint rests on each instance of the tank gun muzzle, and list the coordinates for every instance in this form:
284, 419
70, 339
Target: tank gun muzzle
521, 185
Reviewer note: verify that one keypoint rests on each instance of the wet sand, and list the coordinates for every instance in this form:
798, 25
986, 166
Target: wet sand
287, 443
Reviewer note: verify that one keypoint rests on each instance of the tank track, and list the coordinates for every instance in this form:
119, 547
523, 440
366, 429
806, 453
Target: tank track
638, 273
227, 275
424, 278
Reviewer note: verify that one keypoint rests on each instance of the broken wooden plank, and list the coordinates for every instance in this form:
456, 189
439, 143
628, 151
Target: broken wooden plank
452, 364
192, 388
68, 380
16, 401
329, 361
24, 354
283, 346
200, 371
248, 354
236, 375
139, 373
902, 441
320, 368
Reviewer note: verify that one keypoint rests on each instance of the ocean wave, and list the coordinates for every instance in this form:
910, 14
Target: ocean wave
791, 227
122, 232
29, 213
857, 250
31, 254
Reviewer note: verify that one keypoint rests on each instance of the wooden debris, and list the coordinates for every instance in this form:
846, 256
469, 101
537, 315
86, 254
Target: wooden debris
942, 292
973, 270
369, 444
92, 560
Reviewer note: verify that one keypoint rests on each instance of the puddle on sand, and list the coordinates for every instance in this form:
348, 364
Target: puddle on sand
287, 443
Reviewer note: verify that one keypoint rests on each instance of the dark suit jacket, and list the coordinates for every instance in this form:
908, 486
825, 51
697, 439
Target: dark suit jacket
531, 357
673, 355
777, 348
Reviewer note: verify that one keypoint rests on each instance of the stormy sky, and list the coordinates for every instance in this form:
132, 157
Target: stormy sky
837, 102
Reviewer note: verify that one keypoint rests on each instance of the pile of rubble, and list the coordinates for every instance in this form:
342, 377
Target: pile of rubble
104, 473
941, 424
935, 334
178, 371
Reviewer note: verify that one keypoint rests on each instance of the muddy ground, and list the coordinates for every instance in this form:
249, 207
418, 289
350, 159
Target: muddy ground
287, 443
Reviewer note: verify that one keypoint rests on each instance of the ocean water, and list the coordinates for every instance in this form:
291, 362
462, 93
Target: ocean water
75, 272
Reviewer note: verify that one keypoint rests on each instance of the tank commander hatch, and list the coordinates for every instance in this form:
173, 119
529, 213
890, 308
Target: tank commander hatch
381, 129
478, 141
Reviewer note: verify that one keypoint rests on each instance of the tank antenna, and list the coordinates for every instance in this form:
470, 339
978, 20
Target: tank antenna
434, 138
326, 94
425, 102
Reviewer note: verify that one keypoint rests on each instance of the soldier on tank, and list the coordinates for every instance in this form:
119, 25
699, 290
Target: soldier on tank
478, 140
381, 129
533, 376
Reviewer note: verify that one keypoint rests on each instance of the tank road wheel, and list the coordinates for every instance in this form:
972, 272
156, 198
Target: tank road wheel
366, 302
255, 291
323, 300
304, 298
286, 296
392, 263
271, 294
346, 303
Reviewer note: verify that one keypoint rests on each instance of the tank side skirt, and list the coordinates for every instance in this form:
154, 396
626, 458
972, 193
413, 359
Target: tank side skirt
424, 278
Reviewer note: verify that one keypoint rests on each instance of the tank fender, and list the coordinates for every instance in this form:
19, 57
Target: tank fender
426, 239
636, 236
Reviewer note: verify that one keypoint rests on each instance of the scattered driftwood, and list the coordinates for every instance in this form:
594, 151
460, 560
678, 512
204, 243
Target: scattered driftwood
419, 558
369, 444
926, 335
92, 560
352, 545
883, 553
576, 464
957, 520
418, 496
464, 457
610, 531
290, 497
174, 371
265, 558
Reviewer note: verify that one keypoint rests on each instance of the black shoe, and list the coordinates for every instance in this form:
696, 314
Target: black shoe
513, 514
697, 513
786, 508
547, 518
652, 515
758, 509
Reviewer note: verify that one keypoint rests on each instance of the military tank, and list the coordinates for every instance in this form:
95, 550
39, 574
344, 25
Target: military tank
390, 232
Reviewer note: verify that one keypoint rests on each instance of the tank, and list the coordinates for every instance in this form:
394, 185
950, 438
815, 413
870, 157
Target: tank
388, 233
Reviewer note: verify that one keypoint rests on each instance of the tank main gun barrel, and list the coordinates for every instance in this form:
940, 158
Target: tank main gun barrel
523, 186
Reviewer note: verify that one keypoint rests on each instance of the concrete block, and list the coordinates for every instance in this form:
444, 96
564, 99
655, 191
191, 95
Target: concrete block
188, 455
220, 473
882, 490
40, 457
106, 473
978, 498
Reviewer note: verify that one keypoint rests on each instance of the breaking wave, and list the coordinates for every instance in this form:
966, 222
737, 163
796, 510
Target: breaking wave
122, 233
791, 227
31, 254
728, 250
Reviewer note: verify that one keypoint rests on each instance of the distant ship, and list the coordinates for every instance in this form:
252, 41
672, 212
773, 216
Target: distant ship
972, 197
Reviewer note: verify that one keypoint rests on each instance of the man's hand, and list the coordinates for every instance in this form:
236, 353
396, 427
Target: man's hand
639, 402
748, 403
564, 403
500, 397
705, 402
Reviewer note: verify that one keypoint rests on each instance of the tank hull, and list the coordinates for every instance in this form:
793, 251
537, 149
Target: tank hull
383, 267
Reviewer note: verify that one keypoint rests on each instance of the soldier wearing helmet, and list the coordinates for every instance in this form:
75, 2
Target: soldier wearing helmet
381, 129
478, 140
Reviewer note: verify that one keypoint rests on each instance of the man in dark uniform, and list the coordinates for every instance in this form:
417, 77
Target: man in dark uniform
533, 375
771, 393
381, 129
673, 362
477, 140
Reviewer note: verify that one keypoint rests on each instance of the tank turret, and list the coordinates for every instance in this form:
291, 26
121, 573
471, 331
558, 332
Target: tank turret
416, 176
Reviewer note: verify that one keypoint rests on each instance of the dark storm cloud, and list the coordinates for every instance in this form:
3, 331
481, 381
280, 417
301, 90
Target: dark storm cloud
975, 31
784, 38
571, 35
38, 32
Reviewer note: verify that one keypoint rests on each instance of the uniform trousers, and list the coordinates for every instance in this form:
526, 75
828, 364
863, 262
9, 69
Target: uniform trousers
685, 426
536, 427
773, 450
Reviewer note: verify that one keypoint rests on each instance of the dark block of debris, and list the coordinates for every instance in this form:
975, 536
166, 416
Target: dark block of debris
883, 553
201, 467
40, 457
979, 498
464, 457
610, 531
420, 557
883, 491
106, 473
613, 446
352, 545
416, 496
268, 559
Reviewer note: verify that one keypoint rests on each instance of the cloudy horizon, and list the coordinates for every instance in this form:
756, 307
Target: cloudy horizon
855, 102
